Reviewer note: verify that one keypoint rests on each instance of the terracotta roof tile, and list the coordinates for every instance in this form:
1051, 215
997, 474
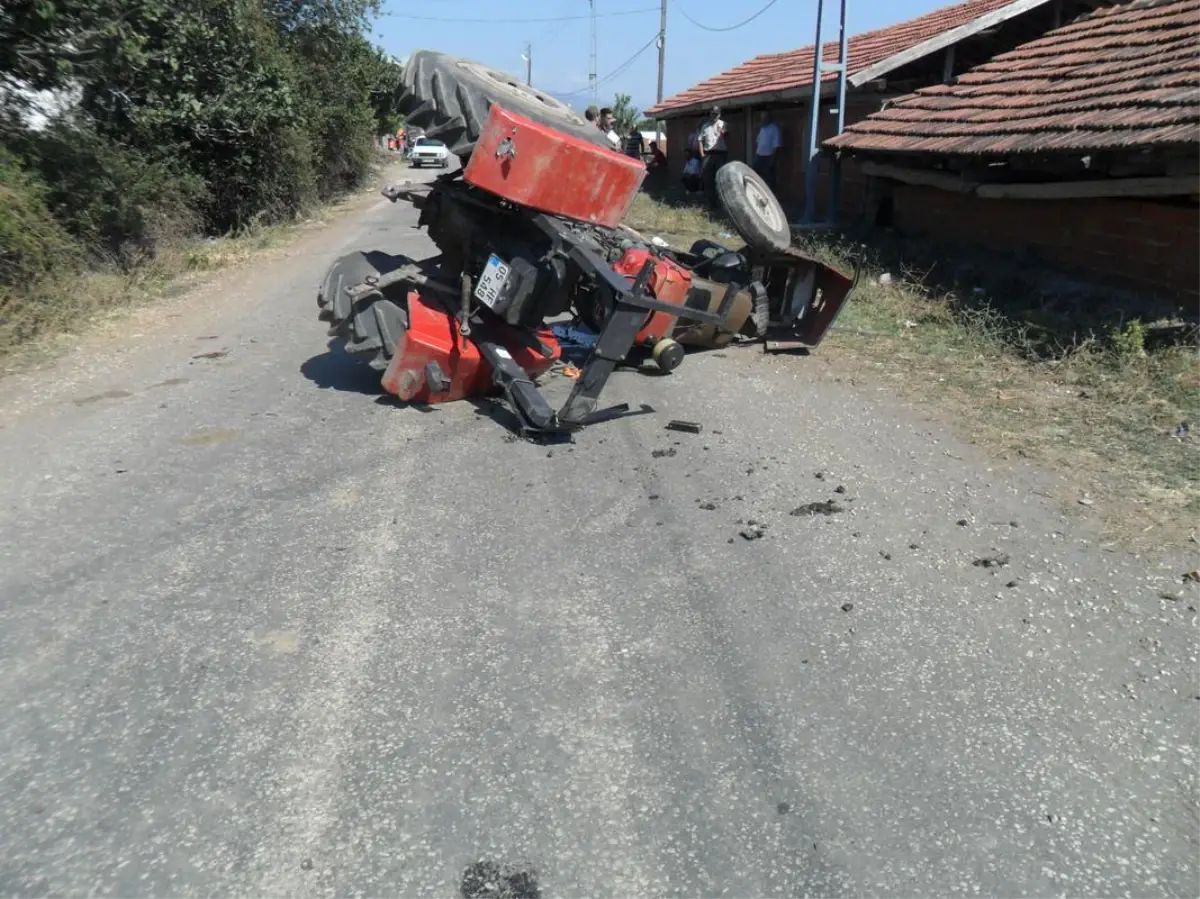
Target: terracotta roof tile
1124, 76
794, 69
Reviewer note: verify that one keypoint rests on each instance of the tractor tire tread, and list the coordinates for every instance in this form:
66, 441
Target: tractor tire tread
450, 97
370, 326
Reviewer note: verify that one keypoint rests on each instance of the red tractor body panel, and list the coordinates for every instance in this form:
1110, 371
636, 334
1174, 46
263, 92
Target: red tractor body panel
669, 284
544, 169
433, 336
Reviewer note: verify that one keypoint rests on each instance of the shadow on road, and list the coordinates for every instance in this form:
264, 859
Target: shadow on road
336, 369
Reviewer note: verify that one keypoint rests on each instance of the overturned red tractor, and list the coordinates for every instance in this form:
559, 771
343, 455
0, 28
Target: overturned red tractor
528, 231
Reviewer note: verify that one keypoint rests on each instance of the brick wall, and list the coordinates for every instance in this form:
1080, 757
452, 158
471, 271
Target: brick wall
1143, 244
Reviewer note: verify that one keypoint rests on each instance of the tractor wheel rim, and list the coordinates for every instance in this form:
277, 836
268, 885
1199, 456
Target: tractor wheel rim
762, 205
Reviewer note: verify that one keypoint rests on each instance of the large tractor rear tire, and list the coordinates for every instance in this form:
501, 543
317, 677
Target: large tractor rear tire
450, 97
371, 326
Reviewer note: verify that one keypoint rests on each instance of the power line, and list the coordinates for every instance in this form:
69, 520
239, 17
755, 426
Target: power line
619, 70
456, 19
683, 12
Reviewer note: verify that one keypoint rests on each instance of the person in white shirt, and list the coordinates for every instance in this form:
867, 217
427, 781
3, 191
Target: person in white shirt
712, 151
608, 124
766, 145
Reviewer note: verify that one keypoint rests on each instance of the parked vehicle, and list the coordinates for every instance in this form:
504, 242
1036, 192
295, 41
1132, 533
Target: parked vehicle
429, 151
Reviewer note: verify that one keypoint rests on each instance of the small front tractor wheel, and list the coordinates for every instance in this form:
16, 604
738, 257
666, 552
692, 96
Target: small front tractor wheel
753, 208
667, 354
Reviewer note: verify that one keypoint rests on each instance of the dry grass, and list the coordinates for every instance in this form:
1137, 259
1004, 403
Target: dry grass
1028, 363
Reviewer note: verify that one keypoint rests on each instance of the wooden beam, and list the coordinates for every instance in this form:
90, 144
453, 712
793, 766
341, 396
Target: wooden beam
944, 40
948, 65
919, 177
1085, 190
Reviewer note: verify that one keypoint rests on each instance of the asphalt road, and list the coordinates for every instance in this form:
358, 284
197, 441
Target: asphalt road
263, 633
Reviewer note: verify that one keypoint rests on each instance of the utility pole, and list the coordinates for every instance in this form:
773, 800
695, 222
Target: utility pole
662, 49
592, 74
528, 54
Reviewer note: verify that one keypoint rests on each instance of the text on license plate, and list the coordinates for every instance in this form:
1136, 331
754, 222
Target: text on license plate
491, 282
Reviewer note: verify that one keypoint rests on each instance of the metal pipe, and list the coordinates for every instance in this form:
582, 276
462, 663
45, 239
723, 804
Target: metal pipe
814, 122
835, 175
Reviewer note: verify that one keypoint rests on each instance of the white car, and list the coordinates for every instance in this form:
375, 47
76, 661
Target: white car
427, 151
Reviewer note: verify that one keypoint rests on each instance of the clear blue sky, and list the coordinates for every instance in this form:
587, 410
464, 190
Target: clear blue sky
561, 48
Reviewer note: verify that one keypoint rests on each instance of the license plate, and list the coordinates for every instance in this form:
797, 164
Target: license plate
491, 282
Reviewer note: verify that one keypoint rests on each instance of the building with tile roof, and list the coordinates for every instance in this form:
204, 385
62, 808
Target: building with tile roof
1082, 144
882, 64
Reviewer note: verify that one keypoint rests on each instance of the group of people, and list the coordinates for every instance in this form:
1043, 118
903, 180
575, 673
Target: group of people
707, 152
634, 144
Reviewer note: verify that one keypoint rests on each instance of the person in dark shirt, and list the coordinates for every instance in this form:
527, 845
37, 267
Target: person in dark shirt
658, 159
635, 144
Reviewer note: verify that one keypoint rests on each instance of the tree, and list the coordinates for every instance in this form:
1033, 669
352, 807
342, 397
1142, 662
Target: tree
625, 113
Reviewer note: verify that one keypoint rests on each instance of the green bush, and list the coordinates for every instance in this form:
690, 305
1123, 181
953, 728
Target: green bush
32, 243
118, 203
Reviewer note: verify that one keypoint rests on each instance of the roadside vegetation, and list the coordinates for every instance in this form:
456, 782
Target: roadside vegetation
143, 138
1099, 384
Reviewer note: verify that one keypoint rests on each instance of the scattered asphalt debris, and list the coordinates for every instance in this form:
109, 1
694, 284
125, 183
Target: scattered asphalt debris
653, 496
1011, 584
487, 880
1086, 501
708, 507
307, 864
886, 555
1192, 577
962, 522
840, 488
1168, 596
208, 337
999, 560
914, 546
121, 470
1014, 524
826, 507
690, 427
752, 533
739, 498
783, 808
215, 354
856, 534
549, 454
820, 475
847, 606
659, 453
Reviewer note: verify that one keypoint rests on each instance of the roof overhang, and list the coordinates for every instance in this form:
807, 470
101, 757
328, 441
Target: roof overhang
788, 95
946, 39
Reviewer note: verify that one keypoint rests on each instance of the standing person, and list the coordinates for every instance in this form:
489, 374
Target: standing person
766, 145
607, 124
635, 144
713, 152
592, 114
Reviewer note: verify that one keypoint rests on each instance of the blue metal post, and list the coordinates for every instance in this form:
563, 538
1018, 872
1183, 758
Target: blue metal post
814, 123
835, 176
812, 167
